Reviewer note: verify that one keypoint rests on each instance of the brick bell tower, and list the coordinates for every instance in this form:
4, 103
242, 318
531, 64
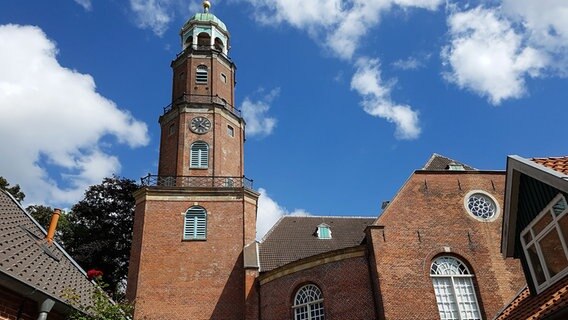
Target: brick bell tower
193, 249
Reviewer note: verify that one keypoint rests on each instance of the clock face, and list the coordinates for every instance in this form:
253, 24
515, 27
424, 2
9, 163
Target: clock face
200, 125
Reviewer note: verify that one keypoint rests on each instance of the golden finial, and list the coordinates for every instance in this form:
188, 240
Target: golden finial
206, 6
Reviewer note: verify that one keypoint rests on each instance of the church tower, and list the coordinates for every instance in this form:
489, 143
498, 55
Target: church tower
193, 249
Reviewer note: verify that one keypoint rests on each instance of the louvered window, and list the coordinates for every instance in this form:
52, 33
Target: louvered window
201, 75
199, 156
453, 285
195, 224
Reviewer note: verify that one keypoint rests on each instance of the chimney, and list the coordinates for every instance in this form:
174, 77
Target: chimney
53, 225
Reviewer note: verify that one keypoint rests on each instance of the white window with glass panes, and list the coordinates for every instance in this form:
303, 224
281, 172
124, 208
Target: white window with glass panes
453, 286
544, 243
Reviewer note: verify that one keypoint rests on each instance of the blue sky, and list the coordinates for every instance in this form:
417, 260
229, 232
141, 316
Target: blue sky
343, 99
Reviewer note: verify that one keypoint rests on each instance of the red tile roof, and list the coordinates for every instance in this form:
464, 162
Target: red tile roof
559, 164
527, 306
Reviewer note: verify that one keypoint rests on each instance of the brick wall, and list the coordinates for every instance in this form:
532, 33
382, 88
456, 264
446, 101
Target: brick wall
175, 279
14, 306
345, 286
427, 219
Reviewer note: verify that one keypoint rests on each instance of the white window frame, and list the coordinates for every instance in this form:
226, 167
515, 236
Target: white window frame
316, 293
463, 274
194, 221
535, 238
199, 158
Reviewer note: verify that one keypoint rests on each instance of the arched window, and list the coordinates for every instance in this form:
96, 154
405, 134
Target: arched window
219, 44
199, 155
453, 285
201, 74
308, 303
204, 40
195, 224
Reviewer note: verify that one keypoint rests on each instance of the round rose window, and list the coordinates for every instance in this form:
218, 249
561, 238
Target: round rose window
481, 206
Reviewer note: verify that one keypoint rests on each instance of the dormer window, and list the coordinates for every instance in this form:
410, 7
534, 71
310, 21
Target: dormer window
454, 166
324, 232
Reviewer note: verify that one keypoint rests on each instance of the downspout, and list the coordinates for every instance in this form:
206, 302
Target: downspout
45, 308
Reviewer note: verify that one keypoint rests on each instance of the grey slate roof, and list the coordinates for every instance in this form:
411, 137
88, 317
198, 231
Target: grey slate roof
28, 260
293, 238
439, 162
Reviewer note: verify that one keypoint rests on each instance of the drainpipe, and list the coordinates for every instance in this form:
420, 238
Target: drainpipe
53, 225
45, 307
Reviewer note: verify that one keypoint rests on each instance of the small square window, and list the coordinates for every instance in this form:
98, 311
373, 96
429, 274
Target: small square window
230, 131
223, 78
172, 129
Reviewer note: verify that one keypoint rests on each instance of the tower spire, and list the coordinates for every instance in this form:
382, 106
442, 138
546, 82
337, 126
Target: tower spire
206, 6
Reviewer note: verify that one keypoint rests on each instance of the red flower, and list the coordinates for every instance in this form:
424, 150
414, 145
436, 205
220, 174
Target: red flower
94, 273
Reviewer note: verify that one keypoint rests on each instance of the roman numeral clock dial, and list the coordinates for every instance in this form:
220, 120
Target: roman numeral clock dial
200, 125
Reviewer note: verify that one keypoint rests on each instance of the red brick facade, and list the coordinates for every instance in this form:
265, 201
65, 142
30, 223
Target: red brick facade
14, 306
427, 219
345, 285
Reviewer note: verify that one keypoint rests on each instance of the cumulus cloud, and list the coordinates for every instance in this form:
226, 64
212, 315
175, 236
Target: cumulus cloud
377, 101
86, 4
255, 114
341, 24
53, 117
269, 212
152, 14
488, 56
545, 24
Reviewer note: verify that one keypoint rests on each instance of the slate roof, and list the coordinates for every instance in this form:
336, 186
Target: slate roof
293, 238
547, 303
26, 258
439, 162
559, 164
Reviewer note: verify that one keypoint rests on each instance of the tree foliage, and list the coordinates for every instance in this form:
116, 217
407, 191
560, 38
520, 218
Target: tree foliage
101, 226
14, 191
102, 307
42, 214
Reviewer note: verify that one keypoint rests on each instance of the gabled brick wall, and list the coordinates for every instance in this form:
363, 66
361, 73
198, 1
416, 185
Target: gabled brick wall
426, 219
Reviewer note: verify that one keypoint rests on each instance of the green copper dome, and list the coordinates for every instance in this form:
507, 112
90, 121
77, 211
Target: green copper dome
207, 17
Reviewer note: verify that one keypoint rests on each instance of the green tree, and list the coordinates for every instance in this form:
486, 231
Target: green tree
14, 191
101, 226
42, 214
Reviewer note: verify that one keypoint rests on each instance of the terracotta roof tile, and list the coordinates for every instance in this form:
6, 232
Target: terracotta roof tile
26, 257
293, 238
527, 306
559, 164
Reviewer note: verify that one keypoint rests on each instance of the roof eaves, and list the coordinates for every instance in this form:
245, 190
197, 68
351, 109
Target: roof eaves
516, 165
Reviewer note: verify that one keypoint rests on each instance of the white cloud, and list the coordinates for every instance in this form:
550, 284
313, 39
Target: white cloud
411, 63
152, 14
53, 116
377, 101
487, 55
255, 114
86, 4
269, 212
336, 24
546, 26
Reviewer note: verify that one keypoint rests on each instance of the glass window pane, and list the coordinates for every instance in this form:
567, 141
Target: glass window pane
553, 253
542, 223
527, 237
536, 266
559, 206
563, 223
